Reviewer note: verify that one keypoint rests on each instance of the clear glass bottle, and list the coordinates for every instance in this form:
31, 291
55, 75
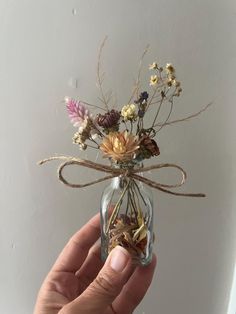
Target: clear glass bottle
127, 218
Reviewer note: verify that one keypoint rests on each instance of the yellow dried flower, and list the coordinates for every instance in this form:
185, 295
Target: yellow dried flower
120, 146
141, 232
169, 82
178, 92
128, 112
153, 66
154, 80
170, 68
171, 76
176, 83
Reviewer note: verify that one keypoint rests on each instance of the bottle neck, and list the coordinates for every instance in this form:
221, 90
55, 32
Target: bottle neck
127, 165
121, 181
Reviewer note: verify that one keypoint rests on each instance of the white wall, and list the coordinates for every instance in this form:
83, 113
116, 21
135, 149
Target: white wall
43, 45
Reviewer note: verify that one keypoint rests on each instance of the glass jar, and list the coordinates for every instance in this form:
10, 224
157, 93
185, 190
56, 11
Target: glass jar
127, 217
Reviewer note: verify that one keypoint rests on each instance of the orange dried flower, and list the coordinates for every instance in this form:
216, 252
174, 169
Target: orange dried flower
120, 146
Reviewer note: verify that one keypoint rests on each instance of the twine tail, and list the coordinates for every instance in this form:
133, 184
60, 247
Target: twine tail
160, 187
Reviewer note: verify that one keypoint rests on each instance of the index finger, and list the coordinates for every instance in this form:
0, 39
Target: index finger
76, 250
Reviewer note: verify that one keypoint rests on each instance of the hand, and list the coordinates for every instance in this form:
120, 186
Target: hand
79, 283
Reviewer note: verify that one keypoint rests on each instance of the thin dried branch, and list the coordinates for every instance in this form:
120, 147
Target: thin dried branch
91, 105
158, 111
156, 97
152, 97
137, 83
100, 76
168, 116
185, 118
165, 99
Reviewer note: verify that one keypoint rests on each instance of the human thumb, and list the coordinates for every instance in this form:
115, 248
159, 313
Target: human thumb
106, 286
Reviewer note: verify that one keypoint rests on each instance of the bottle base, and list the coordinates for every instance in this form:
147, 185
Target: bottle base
136, 260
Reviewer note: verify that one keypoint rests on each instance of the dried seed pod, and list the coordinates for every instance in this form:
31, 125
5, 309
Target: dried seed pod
149, 145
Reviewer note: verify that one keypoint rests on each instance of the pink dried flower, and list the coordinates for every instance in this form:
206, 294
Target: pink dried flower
77, 111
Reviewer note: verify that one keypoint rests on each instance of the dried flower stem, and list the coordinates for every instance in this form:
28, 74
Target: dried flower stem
158, 111
116, 208
97, 129
139, 125
92, 140
137, 196
140, 193
131, 126
129, 229
95, 106
168, 116
152, 97
91, 146
170, 100
135, 207
185, 118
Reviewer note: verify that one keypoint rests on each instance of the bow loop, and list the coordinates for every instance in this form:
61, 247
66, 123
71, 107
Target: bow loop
114, 172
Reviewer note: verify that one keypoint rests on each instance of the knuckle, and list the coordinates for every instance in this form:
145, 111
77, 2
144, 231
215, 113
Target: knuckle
84, 281
105, 285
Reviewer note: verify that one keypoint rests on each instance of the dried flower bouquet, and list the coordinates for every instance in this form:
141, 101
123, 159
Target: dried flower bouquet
125, 137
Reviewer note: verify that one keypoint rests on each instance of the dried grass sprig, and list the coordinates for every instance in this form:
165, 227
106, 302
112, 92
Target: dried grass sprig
100, 77
137, 82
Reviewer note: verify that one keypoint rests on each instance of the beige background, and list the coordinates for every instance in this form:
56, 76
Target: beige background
49, 50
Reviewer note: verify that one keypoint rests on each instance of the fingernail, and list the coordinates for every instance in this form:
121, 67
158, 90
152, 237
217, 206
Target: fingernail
119, 258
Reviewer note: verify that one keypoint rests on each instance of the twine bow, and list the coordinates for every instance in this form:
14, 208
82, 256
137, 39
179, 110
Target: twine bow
131, 173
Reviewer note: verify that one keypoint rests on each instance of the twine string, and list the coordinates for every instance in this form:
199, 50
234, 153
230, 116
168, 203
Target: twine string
115, 172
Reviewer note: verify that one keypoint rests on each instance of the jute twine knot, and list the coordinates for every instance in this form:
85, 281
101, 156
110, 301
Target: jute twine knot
115, 172
126, 173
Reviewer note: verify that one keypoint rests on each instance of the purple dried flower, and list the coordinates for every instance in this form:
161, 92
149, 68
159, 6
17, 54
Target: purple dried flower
109, 119
77, 111
143, 96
